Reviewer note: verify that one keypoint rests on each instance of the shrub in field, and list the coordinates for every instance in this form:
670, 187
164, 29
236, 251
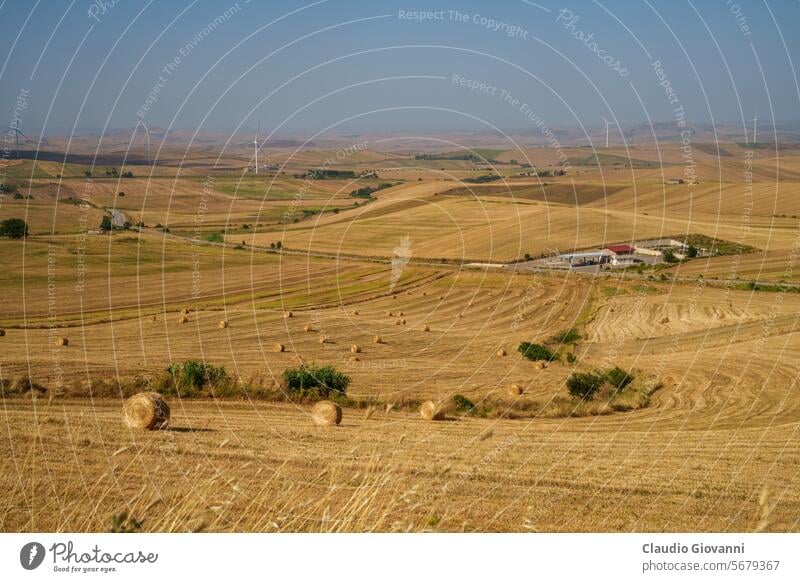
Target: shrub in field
535, 352
324, 380
463, 404
618, 378
191, 376
569, 336
584, 384
14, 228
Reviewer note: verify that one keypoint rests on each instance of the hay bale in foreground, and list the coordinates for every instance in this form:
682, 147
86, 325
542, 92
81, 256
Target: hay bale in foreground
431, 411
355, 348
514, 390
62, 341
183, 318
398, 321
222, 324
153, 318
146, 410
501, 352
355, 312
377, 339
389, 314
426, 328
278, 348
323, 339
288, 314
308, 327
326, 413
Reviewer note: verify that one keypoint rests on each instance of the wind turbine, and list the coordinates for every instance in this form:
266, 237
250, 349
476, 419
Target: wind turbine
255, 145
17, 132
755, 129
607, 126
147, 133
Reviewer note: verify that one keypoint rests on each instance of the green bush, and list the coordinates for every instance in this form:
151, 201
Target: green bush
463, 404
569, 336
324, 380
536, 352
618, 378
584, 384
14, 228
191, 376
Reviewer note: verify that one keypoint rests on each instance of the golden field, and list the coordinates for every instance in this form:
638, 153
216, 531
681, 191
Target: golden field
715, 448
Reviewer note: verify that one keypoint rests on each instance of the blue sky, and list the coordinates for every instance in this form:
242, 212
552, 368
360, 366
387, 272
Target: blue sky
364, 66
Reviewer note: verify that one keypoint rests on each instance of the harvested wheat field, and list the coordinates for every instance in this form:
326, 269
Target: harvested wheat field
659, 399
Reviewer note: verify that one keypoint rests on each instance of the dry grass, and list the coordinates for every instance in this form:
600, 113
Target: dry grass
698, 454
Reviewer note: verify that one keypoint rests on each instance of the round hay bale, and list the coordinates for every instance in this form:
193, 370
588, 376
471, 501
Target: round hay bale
146, 410
184, 311
326, 413
426, 328
323, 339
278, 348
665, 320
540, 365
431, 411
514, 390
460, 315
62, 341
183, 318
222, 324
153, 318
424, 293
501, 352
398, 321
400, 313
288, 314
377, 339
389, 314
355, 348
355, 312
2, 332
309, 327
403, 321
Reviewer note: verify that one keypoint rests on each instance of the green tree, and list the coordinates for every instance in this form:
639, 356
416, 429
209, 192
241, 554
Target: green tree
584, 384
535, 352
14, 228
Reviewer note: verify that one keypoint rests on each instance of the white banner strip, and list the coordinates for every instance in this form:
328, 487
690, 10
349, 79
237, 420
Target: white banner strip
401, 557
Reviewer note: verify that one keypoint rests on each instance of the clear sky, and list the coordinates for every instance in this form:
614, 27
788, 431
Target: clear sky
376, 65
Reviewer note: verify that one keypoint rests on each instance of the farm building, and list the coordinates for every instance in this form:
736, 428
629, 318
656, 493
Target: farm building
586, 258
620, 249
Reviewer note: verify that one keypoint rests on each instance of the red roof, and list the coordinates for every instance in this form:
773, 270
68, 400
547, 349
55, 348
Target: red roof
620, 248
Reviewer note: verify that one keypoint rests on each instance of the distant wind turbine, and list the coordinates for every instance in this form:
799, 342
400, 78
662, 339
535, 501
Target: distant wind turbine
147, 133
607, 125
755, 129
255, 145
17, 132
